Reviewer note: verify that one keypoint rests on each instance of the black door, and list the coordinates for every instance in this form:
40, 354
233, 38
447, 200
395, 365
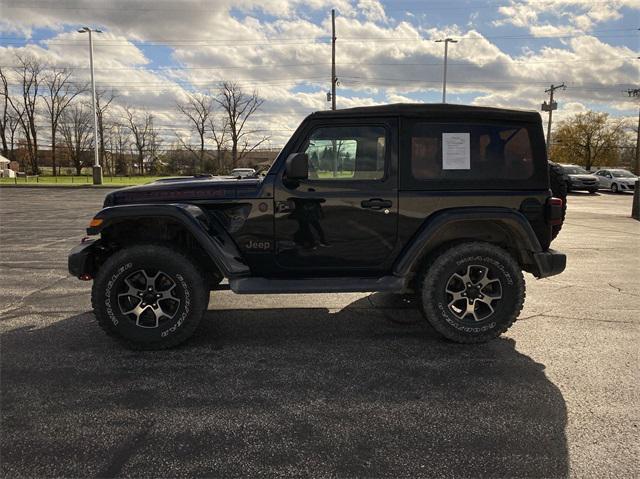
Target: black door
343, 218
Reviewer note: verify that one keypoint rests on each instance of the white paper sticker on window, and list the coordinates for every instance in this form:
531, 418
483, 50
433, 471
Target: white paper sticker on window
456, 151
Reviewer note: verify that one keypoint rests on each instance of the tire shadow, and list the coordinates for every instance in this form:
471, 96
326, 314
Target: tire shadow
304, 391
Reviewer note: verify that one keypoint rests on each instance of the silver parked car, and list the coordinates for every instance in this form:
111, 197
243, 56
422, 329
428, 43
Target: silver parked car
579, 179
616, 180
243, 172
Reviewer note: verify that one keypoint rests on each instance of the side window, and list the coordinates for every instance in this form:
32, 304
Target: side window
481, 152
347, 153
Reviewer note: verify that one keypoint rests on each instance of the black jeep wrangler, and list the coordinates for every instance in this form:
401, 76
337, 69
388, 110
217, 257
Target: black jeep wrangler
448, 202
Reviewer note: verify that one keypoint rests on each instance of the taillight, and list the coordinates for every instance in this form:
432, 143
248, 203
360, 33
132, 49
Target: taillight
554, 211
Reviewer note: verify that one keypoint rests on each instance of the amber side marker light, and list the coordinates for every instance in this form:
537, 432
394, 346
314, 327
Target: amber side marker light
95, 222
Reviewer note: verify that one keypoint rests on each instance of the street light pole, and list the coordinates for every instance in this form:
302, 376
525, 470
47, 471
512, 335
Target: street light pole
333, 59
444, 74
97, 169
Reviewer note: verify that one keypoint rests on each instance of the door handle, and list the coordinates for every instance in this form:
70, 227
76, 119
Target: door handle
376, 203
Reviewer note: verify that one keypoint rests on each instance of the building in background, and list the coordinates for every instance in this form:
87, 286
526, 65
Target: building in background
5, 168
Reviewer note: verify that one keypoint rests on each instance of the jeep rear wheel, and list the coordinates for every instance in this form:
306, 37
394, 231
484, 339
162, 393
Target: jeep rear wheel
473, 292
149, 297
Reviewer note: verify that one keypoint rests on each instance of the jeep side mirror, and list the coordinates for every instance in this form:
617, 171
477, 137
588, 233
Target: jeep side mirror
297, 166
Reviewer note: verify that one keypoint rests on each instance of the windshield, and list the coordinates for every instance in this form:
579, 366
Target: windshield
622, 174
575, 170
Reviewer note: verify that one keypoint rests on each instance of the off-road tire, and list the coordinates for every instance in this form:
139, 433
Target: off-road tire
188, 306
559, 189
436, 301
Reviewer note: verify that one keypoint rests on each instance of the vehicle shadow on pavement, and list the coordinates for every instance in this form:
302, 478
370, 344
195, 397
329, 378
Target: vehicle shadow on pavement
360, 392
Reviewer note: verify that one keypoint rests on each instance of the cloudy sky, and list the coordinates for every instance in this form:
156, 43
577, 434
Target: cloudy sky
509, 51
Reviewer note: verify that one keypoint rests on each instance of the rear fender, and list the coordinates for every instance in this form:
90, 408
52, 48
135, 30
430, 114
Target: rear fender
474, 223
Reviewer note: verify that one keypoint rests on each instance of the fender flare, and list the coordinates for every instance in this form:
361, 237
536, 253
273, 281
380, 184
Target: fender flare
422, 242
205, 229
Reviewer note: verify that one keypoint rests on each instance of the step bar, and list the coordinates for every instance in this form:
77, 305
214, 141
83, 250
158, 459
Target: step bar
317, 285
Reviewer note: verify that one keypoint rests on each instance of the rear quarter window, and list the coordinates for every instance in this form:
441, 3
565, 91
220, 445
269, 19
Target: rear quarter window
487, 155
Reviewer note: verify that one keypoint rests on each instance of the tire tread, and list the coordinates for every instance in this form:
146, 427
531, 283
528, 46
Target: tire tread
430, 276
103, 320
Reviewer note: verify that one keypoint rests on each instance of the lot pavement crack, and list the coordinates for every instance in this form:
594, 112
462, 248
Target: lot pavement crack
19, 304
583, 318
609, 230
562, 285
531, 316
127, 449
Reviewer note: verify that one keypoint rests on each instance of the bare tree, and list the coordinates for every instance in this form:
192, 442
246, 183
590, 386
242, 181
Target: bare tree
59, 93
13, 121
239, 106
76, 129
103, 101
4, 113
141, 131
119, 140
198, 110
153, 151
29, 73
220, 136
9, 119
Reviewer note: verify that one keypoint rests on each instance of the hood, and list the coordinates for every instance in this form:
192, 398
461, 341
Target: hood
176, 190
626, 180
583, 176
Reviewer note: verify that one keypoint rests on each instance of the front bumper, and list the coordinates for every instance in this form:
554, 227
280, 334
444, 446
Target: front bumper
579, 185
549, 263
82, 259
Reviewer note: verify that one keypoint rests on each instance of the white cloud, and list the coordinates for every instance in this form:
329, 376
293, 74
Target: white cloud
582, 15
372, 10
378, 59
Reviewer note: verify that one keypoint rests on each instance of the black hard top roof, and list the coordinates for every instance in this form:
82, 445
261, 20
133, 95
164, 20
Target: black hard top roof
440, 110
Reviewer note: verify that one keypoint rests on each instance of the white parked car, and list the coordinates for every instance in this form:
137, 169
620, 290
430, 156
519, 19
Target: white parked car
243, 172
616, 180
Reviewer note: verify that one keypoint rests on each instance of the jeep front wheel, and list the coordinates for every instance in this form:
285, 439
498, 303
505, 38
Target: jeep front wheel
149, 297
473, 292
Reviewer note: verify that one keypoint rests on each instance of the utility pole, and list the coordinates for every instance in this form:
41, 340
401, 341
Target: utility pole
334, 80
97, 169
550, 107
444, 75
635, 93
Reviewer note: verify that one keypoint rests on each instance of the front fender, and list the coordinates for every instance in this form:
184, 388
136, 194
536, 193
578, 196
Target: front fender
205, 230
426, 239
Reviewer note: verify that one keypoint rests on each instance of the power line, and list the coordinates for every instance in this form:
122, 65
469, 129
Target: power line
314, 40
143, 68
445, 6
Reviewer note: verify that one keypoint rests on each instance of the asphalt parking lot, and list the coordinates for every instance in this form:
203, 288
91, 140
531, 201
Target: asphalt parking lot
320, 385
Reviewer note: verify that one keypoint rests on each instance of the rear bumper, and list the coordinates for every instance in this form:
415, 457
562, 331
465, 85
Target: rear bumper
81, 259
549, 263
